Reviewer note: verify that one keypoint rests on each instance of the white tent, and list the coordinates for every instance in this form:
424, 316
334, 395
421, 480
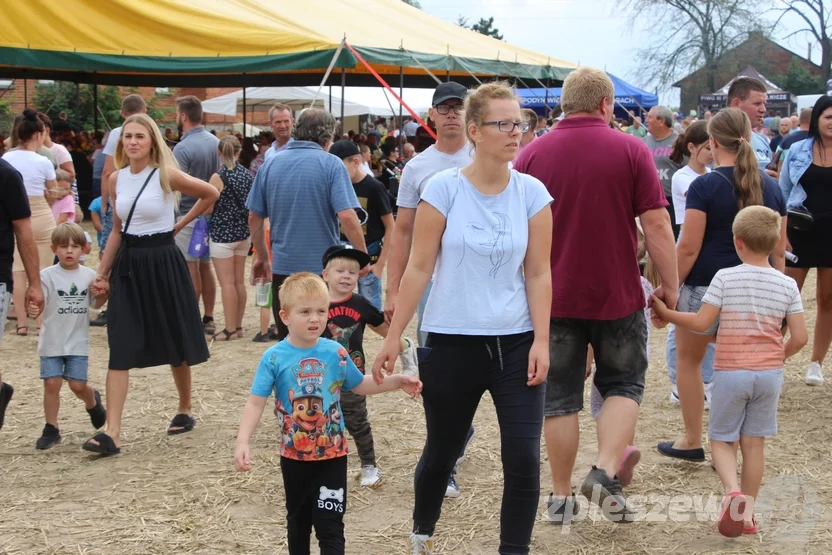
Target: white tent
357, 100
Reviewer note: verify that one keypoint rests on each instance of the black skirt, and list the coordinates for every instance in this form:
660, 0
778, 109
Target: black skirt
153, 315
813, 248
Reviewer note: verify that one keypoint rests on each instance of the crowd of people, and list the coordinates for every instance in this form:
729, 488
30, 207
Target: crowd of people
491, 247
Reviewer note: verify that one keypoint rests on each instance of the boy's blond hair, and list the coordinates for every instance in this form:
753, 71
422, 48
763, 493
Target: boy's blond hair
758, 227
302, 285
351, 263
63, 175
67, 232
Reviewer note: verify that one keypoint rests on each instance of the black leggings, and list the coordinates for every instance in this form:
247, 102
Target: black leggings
455, 373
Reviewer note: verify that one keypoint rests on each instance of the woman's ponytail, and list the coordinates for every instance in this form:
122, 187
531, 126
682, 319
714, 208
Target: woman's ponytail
731, 129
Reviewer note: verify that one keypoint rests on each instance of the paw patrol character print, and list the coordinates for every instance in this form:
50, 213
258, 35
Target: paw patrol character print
284, 425
334, 429
309, 419
342, 354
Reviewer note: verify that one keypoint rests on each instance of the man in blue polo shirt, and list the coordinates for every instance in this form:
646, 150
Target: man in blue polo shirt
305, 192
280, 119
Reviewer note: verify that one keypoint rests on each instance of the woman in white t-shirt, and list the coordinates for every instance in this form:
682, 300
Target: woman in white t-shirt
153, 319
694, 145
38, 176
486, 231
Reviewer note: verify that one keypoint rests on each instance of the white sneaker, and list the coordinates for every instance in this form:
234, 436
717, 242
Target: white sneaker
709, 389
453, 488
370, 476
410, 365
421, 544
814, 374
674, 395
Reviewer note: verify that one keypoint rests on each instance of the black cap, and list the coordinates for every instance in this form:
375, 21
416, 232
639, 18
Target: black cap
344, 149
448, 91
345, 251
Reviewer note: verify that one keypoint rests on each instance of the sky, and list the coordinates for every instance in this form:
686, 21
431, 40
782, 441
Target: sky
586, 32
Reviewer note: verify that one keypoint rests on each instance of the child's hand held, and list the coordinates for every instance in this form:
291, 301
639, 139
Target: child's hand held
410, 385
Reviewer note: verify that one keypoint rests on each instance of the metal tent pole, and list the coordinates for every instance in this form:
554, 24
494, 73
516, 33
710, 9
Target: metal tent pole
401, 95
95, 104
245, 119
343, 86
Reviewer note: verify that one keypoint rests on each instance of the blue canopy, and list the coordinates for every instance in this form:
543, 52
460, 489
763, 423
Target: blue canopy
626, 94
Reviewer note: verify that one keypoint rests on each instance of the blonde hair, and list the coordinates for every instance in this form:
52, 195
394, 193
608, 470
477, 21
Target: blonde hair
758, 227
160, 155
229, 149
66, 233
350, 263
583, 90
530, 116
302, 285
63, 175
731, 129
476, 103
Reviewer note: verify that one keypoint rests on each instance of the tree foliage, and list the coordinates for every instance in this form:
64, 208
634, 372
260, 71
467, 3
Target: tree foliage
483, 26
798, 80
78, 103
816, 16
689, 34
414, 3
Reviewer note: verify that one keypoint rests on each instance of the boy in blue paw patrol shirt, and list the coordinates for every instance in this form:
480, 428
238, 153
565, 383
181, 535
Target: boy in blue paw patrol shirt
307, 374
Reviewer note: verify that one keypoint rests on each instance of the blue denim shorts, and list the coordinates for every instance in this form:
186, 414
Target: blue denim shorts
690, 300
72, 368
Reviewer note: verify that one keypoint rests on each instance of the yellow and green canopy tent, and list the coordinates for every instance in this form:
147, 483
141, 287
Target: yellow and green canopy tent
286, 42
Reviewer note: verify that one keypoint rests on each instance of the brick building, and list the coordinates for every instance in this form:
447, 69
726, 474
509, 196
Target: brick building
765, 55
13, 91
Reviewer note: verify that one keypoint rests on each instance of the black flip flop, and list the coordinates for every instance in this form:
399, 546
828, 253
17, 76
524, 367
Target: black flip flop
105, 447
184, 422
6, 392
228, 335
690, 455
98, 415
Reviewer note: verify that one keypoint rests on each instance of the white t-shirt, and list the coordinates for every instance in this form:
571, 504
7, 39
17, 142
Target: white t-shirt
154, 211
679, 185
112, 141
478, 287
367, 169
62, 155
425, 165
66, 320
35, 169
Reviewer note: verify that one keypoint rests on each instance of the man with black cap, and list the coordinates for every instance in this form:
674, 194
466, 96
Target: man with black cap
451, 150
374, 214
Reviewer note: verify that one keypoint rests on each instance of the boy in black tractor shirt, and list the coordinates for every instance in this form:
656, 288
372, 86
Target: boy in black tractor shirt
349, 314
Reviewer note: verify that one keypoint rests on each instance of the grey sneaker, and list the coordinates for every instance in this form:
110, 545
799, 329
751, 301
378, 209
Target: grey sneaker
606, 492
410, 365
561, 510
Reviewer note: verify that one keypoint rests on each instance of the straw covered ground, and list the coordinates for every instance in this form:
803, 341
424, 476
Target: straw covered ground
180, 495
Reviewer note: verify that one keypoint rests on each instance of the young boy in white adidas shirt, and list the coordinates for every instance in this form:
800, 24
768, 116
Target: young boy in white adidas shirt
63, 344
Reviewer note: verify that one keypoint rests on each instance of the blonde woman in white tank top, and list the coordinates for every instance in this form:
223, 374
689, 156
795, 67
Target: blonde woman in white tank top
153, 317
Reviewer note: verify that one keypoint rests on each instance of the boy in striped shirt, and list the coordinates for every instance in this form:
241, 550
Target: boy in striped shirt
750, 301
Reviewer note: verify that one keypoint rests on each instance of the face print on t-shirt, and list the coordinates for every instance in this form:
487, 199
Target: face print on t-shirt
488, 243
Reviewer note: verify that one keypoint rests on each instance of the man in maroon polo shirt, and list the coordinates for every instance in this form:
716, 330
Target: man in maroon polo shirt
601, 180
